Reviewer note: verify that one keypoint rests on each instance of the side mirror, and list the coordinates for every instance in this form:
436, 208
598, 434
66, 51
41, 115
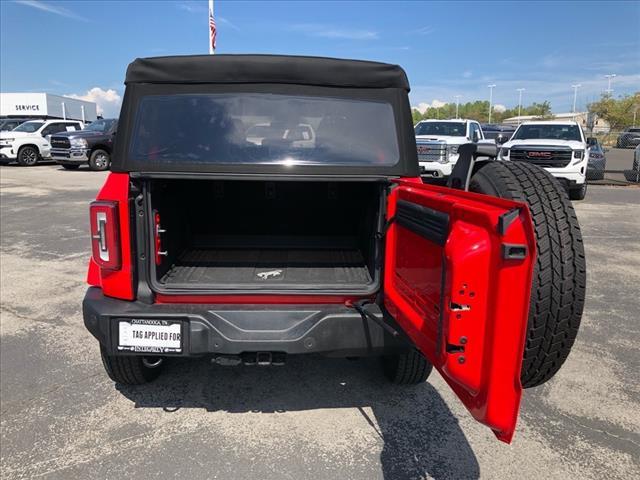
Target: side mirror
48, 138
476, 137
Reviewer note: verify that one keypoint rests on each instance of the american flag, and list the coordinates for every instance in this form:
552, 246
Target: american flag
212, 29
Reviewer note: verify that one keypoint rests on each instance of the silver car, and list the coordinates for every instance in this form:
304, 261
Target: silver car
597, 162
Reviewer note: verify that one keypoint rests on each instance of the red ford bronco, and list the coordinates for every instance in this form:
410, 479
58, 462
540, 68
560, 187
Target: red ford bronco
264, 206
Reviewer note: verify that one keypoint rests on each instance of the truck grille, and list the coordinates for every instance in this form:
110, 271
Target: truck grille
543, 157
60, 142
431, 152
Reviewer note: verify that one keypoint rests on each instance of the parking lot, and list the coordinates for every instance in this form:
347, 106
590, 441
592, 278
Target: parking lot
62, 417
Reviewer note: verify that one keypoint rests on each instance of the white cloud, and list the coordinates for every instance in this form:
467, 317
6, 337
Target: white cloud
192, 7
467, 74
108, 101
56, 10
498, 107
229, 23
327, 31
422, 107
200, 8
426, 30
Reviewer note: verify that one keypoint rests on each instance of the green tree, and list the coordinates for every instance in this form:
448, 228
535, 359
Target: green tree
617, 112
479, 110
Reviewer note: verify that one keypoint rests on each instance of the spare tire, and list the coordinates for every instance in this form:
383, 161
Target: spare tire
559, 280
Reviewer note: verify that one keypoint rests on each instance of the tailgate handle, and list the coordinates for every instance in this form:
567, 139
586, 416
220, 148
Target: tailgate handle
512, 251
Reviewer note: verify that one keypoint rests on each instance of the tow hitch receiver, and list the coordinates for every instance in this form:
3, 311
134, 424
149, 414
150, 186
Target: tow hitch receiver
251, 358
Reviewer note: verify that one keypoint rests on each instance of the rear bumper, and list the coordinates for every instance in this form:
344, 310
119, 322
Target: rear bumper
333, 330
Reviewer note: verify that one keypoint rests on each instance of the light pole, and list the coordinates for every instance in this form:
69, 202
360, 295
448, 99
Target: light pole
457, 97
520, 90
491, 87
575, 95
609, 77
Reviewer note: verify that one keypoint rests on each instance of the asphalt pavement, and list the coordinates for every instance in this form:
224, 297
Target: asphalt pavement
61, 417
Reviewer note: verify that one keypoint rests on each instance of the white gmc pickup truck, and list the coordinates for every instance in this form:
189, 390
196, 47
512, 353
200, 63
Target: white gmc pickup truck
558, 146
438, 141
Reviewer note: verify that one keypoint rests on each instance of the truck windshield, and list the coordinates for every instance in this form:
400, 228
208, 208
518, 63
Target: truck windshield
100, 126
448, 129
264, 128
28, 127
548, 132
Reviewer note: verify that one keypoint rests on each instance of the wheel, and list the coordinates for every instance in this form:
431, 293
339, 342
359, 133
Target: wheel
408, 368
129, 369
99, 160
70, 166
578, 193
28, 156
559, 280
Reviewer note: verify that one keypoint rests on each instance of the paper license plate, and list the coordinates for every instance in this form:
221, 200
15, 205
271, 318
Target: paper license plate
150, 336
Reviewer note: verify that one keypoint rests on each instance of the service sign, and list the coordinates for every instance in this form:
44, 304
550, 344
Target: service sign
27, 104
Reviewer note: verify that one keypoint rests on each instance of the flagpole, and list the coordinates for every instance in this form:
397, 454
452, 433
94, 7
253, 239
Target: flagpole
211, 30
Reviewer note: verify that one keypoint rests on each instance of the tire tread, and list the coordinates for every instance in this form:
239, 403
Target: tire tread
409, 368
128, 370
559, 283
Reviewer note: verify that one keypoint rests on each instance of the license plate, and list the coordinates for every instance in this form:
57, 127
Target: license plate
150, 336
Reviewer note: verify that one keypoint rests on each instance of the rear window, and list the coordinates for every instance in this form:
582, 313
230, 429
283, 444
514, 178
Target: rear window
264, 128
449, 129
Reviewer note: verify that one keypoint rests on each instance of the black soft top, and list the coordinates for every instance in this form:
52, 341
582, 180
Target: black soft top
284, 69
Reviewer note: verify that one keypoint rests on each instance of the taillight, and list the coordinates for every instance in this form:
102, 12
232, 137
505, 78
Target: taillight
105, 237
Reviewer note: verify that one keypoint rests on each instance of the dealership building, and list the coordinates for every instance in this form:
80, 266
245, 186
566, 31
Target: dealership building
45, 105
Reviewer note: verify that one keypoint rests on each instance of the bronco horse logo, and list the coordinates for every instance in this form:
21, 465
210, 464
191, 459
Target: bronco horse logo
269, 274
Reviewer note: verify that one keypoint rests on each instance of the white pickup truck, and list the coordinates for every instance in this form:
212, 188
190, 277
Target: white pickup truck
558, 146
29, 142
437, 142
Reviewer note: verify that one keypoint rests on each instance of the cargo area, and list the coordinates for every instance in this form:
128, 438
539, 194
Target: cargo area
238, 236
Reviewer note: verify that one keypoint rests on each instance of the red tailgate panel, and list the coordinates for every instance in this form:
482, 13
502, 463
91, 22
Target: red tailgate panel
116, 283
463, 304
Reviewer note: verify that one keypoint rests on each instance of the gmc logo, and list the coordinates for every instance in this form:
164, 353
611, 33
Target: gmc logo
539, 154
423, 149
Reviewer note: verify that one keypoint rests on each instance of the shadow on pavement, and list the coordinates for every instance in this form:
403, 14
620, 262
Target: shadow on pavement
420, 434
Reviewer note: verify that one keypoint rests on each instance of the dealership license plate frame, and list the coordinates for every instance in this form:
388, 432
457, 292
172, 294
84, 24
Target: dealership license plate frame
149, 350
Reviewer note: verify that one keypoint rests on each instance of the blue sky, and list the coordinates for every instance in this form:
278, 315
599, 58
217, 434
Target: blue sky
448, 49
